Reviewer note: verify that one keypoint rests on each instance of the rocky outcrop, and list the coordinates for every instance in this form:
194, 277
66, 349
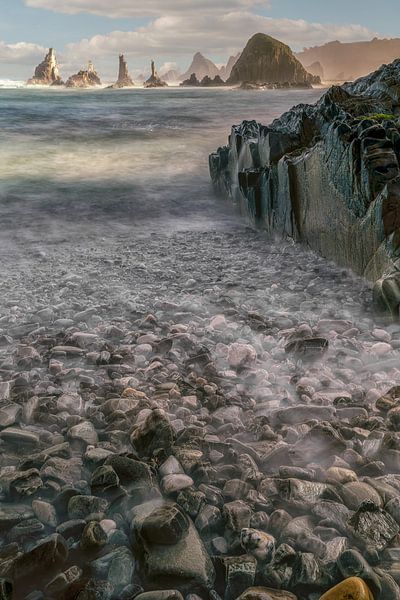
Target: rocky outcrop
266, 60
154, 81
327, 175
124, 79
85, 78
205, 82
47, 73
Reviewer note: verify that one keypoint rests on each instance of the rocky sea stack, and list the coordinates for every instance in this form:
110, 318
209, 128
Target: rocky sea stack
47, 73
328, 175
124, 79
266, 60
85, 78
154, 81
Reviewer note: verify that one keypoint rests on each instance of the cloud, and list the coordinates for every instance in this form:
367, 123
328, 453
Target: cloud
20, 53
138, 8
221, 35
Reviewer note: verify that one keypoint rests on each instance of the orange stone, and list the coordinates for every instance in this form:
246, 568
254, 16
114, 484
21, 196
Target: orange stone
353, 588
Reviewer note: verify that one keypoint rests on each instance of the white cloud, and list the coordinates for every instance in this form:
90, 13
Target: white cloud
220, 35
20, 53
138, 8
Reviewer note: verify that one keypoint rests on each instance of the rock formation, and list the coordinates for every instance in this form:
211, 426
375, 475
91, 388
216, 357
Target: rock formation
124, 79
84, 78
201, 67
205, 82
347, 61
154, 81
192, 81
47, 73
327, 175
266, 60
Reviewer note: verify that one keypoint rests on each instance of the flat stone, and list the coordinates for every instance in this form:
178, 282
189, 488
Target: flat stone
15, 436
160, 595
263, 593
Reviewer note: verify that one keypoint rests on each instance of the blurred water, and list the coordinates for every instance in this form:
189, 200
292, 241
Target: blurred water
78, 161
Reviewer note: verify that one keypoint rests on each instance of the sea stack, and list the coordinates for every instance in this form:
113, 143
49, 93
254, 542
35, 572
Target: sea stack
47, 73
124, 79
84, 78
154, 80
267, 61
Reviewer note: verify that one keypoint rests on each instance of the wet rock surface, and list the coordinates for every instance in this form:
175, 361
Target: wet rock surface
327, 175
167, 432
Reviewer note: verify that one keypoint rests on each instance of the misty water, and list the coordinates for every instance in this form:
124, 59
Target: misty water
113, 243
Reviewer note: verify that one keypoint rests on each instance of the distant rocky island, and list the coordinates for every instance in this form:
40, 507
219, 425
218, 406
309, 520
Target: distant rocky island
85, 78
327, 175
47, 72
154, 81
348, 61
205, 82
124, 79
266, 61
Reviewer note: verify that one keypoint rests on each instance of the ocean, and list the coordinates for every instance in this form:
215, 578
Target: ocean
92, 160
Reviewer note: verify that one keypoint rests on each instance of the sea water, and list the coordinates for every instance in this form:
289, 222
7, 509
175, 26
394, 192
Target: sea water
81, 160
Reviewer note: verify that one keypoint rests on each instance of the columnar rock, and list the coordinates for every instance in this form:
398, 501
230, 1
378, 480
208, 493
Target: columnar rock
124, 79
85, 78
47, 73
327, 175
154, 80
266, 60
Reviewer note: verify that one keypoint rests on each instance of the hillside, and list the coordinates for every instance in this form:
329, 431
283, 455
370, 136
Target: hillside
267, 60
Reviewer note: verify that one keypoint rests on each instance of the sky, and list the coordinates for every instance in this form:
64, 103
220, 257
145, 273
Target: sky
171, 31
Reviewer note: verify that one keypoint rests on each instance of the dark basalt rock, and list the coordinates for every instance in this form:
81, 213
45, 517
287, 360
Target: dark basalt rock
327, 175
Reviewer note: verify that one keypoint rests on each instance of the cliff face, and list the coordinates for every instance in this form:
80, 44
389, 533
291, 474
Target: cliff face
347, 61
47, 73
327, 175
267, 60
84, 79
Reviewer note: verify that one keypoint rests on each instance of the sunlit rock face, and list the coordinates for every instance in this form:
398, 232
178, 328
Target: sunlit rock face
47, 73
327, 175
124, 79
266, 60
84, 78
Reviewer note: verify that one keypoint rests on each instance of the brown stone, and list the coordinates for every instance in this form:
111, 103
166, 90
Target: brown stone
353, 588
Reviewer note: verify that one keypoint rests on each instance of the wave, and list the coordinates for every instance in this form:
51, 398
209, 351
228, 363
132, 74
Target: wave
11, 84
